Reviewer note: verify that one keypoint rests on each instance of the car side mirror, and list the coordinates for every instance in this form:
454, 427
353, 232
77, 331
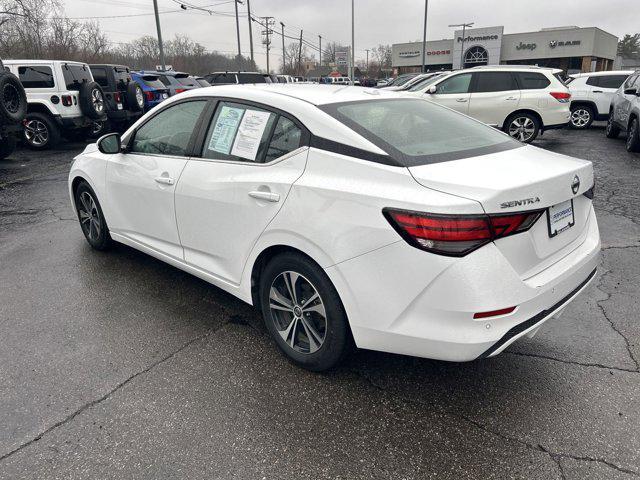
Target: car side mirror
110, 144
432, 89
631, 91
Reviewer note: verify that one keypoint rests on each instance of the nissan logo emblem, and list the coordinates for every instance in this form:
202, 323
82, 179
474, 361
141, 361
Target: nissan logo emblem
575, 184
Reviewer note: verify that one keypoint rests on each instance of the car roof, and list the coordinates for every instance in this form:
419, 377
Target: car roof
41, 62
600, 74
314, 94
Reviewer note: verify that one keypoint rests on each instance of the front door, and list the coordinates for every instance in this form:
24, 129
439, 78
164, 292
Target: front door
494, 96
141, 182
603, 93
453, 92
250, 157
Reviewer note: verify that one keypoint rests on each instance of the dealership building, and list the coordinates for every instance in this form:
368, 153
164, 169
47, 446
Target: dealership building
573, 49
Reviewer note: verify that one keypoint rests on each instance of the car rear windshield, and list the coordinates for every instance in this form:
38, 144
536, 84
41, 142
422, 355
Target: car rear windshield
153, 81
417, 132
187, 81
251, 78
74, 75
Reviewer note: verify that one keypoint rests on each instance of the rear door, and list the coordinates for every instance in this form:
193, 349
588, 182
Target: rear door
604, 91
494, 96
453, 92
248, 160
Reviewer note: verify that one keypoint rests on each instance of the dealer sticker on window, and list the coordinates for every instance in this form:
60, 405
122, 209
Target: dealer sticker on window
560, 217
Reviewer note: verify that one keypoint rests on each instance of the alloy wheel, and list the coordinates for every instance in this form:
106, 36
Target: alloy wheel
139, 97
89, 216
298, 312
97, 100
580, 117
522, 128
11, 98
36, 133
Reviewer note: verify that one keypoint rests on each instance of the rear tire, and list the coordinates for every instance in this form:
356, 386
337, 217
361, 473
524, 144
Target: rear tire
581, 117
7, 146
303, 312
92, 102
522, 126
92, 222
633, 136
13, 99
612, 130
40, 131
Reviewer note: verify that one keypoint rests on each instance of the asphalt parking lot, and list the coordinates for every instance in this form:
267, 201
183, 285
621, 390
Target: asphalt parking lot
115, 365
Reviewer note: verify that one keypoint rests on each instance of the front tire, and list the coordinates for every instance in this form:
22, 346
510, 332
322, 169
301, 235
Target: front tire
40, 131
612, 130
581, 117
92, 222
522, 126
303, 312
633, 136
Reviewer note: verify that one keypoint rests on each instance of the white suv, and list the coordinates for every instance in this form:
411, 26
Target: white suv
591, 95
62, 98
521, 100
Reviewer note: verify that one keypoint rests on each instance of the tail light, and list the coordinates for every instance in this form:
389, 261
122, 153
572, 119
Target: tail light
150, 96
562, 97
67, 100
456, 235
117, 97
180, 90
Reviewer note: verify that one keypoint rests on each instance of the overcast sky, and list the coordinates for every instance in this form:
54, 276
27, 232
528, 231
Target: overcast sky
376, 21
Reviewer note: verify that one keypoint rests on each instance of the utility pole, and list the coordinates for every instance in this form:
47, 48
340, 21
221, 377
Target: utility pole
464, 27
284, 54
424, 36
268, 23
235, 3
250, 32
353, 51
155, 9
320, 50
367, 50
300, 54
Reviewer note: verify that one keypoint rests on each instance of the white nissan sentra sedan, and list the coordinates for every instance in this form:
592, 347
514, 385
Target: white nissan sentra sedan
349, 215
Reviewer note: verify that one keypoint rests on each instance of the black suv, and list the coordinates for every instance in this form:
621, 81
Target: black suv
13, 108
124, 98
234, 78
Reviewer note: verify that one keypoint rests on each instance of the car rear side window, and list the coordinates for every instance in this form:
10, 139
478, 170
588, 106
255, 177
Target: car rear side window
100, 76
593, 81
221, 78
169, 132
75, 75
251, 78
532, 80
36, 77
414, 132
286, 137
494, 82
239, 132
612, 81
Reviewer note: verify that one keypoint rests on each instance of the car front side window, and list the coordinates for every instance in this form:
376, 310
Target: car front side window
455, 84
169, 132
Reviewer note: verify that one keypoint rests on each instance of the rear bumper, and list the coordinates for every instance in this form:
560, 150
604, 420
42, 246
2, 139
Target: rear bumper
71, 123
402, 300
123, 116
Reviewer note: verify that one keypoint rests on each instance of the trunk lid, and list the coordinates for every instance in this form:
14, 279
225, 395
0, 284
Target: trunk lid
518, 180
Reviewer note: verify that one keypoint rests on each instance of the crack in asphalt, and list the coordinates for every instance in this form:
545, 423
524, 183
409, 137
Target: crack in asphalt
555, 456
97, 401
611, 322
571, 362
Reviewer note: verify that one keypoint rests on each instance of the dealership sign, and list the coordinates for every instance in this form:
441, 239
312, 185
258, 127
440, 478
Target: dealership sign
482, 38
570, 43
416, 53
412, 53
526, 46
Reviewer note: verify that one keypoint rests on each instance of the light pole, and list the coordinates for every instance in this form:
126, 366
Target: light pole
352, 42
424, 35
320, 50
235, 3
250, 32
464, 27
155, 8
284, 54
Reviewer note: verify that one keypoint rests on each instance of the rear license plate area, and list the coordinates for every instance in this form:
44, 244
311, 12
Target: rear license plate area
560, 217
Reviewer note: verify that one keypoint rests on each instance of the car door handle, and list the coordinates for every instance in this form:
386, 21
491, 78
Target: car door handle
268, 196
598, 91
461, 100
164, 180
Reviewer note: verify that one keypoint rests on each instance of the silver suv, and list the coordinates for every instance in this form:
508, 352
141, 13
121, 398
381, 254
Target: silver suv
624, 112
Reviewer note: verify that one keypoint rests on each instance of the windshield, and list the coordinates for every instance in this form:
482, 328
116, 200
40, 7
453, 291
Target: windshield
425, 82
418, 132
402, 80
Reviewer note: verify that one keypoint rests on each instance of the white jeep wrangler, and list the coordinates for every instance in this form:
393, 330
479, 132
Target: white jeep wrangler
62, 99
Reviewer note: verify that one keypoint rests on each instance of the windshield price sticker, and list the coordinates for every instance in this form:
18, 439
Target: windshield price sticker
225, 129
